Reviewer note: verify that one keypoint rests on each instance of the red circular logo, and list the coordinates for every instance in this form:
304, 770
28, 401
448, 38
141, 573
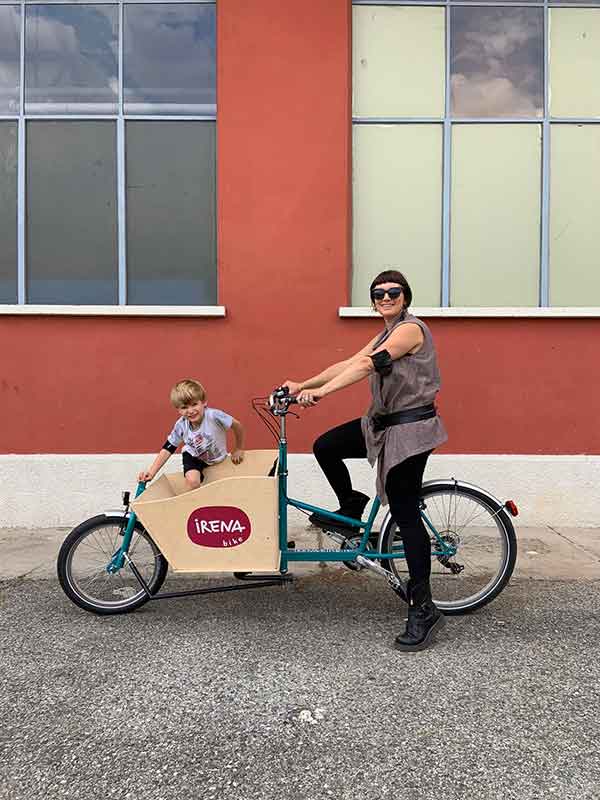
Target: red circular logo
218, 526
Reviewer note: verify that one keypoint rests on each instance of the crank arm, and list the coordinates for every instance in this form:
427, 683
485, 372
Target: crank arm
395, 583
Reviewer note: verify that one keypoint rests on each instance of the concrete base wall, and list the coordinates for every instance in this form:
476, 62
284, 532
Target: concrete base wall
62, 490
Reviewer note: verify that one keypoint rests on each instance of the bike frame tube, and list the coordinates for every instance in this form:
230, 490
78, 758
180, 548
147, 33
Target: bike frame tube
118, 560
316, 554
446, 549
282, 473
350, 554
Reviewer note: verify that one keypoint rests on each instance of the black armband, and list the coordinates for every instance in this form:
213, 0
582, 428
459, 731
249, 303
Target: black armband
170, 447
382, 361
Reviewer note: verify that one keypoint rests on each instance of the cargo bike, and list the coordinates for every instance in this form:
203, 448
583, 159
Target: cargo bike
236, 522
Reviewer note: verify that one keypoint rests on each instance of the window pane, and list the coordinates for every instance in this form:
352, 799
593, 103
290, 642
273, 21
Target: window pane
398, 61
575, 62
8, 212
71, 59
397, 188
496, 62
10, 35
71, 213
495, 213
574, 216
169, 59
171, 229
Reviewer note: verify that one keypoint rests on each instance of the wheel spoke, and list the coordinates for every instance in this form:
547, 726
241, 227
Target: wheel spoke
106, 551
87, 562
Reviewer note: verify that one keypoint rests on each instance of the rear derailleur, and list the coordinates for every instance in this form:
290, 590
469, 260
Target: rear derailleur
453, 540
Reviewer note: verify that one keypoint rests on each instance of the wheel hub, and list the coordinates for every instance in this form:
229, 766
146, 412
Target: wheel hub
452, 540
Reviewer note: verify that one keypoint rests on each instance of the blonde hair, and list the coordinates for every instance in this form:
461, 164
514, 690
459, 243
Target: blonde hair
186, 392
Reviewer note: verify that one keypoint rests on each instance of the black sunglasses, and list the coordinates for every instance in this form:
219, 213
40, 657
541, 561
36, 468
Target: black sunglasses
393, 293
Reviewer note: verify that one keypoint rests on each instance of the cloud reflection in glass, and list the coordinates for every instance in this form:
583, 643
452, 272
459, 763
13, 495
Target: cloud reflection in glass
169, 59
71, 59
496, 62
10, 26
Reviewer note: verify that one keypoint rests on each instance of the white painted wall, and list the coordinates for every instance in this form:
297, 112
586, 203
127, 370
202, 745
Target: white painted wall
63, 490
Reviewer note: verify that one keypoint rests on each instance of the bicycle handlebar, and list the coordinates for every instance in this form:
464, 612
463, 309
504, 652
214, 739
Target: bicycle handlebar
280, 399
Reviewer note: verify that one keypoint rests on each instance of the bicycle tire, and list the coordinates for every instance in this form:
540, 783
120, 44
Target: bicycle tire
489, 525
118, 593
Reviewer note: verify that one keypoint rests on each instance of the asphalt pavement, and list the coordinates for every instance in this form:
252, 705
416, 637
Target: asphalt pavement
297, 692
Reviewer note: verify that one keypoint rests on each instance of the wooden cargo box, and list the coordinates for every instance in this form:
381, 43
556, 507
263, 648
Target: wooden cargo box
229, 524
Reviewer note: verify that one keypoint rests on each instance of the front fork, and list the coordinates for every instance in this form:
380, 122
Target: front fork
118, 560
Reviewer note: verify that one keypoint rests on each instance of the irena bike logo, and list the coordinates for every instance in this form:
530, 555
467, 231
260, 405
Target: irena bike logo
218, 526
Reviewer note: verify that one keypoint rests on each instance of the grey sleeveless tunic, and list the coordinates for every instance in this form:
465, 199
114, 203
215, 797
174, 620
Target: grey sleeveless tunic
414, 381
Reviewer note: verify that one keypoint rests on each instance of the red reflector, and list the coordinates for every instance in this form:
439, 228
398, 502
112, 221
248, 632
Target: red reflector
512, 507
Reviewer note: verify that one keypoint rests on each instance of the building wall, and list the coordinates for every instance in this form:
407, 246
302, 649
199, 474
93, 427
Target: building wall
100, 385
93, 385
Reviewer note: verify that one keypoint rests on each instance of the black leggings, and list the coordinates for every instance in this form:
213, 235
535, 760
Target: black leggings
402, 486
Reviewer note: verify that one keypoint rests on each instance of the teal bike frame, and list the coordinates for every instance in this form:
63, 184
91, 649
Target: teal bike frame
118, 560
441, 549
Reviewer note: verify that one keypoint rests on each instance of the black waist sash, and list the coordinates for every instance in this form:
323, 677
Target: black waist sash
381, 421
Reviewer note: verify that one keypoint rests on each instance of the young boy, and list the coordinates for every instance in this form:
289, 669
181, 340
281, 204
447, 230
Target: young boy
203, 431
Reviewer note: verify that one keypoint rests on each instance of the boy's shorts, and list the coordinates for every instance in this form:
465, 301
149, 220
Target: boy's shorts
191, 462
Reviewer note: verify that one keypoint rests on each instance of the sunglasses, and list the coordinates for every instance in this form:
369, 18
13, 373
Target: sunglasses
393, 294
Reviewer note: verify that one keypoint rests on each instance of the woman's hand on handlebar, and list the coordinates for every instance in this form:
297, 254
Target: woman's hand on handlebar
292, 386
309, 397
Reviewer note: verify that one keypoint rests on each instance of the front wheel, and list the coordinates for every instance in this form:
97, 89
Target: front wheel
86, 554
473, 546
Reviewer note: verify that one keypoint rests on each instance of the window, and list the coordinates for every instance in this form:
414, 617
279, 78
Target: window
71, 212
71, 62
476, 155
8, 212
574, 62
171, 176
107, 153
393, 81
495, 202
496, 62
397, 208
170, 59
10, 46
574, 230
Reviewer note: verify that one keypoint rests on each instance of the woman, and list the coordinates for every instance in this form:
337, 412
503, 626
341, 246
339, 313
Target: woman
399, 431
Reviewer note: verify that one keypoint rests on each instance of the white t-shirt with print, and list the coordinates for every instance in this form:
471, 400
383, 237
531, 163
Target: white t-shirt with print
208, 441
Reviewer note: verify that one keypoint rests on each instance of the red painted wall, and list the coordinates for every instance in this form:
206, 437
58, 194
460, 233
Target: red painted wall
101, 384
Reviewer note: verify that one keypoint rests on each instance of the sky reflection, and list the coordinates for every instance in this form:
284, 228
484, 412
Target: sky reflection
496, 62
170, 59
10, 25
71, 59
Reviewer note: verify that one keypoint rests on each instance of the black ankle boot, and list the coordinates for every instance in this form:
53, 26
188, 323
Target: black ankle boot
353, 506
423, 619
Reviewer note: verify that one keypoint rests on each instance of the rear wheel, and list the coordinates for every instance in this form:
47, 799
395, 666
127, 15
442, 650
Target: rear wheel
84, 559
474, 547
